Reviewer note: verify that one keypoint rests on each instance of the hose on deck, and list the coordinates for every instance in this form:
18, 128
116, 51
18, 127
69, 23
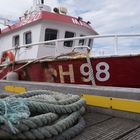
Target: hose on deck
41, 115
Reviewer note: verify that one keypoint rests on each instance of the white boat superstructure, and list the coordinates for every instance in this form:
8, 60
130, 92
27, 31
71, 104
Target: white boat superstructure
40, 24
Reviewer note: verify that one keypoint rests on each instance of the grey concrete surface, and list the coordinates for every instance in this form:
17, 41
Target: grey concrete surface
126, 93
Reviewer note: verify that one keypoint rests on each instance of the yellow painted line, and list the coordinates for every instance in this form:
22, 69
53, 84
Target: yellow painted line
99, 101
9, 88
20, 89
126, 105
15, 89
113, 103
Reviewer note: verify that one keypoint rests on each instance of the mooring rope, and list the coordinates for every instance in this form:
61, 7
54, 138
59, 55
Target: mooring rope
41, 114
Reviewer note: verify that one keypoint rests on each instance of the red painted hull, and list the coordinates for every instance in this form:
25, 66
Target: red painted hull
112, 71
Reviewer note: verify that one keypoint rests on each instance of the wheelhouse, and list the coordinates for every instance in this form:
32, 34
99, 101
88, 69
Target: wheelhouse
40, 24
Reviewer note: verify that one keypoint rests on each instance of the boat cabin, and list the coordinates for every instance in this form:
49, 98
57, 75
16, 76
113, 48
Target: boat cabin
40, 24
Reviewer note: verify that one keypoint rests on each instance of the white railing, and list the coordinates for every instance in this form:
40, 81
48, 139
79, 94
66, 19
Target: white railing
116, 37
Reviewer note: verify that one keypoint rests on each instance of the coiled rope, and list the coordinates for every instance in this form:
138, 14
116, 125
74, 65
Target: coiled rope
43, 115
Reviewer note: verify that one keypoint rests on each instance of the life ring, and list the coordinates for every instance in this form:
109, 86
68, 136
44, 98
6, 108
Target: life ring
6, 55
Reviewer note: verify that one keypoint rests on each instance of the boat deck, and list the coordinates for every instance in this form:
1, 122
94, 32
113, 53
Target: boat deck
105, 127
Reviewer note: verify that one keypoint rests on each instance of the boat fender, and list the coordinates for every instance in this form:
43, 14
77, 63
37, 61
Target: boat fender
5, 55
12, 76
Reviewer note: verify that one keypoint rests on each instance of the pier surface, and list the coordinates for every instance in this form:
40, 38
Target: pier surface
105, 127
101, 123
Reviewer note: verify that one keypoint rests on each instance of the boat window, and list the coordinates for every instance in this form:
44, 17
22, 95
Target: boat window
16, 41
69, 35
50, 34
82, 41
90, 43
28, 38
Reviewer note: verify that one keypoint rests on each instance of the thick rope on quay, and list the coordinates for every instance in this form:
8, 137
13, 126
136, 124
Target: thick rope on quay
42, 115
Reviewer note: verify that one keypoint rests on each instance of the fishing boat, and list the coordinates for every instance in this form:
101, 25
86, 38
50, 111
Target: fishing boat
56, 52
47, 45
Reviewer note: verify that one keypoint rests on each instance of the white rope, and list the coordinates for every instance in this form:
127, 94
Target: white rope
91, 73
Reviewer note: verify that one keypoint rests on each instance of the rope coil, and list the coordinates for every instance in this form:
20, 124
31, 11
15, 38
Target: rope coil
50, 115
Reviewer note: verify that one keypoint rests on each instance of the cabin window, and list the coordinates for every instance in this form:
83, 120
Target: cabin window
69, 35
82, 41
90, 43
50, 34
16, 40
28, 38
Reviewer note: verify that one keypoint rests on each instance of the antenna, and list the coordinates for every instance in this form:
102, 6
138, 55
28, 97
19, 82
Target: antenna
4, 21
34, 2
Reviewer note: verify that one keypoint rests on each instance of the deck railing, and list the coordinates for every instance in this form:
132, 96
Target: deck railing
116, 37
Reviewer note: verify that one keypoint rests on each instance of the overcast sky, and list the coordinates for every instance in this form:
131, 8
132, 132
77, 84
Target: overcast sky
106, 16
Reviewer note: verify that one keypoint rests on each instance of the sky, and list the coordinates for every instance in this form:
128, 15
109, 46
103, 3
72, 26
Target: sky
106, 16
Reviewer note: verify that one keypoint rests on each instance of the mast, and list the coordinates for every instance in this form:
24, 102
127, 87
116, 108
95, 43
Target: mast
38, 2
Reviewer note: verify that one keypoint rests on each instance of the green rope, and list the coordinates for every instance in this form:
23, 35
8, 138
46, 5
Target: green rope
12, 111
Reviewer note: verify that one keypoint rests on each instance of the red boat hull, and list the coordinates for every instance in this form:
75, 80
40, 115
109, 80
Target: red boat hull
111, 71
